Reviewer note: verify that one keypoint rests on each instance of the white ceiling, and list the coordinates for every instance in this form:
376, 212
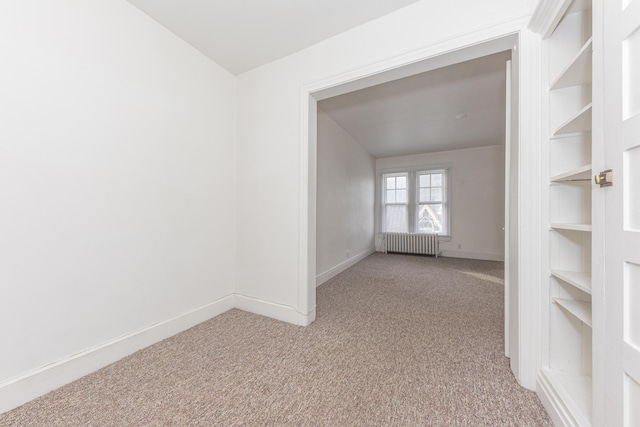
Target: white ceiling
413, 115
418, 114
243, 34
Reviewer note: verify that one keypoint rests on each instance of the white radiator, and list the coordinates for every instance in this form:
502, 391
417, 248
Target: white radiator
411, 243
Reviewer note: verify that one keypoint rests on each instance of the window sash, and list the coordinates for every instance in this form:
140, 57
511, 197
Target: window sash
431, 186
396, 218
395, 196
432, 208
396, 189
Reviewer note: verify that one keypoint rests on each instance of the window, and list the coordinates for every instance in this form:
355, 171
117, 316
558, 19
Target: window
395, 202
416, 201
431, 217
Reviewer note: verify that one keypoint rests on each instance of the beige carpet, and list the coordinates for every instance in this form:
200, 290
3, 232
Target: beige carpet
399, 341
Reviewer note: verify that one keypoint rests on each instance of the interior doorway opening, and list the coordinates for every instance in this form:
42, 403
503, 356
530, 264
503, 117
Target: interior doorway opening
382, 73
423, 154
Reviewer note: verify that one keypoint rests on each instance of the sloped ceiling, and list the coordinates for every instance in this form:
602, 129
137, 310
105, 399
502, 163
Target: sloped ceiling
455, 107
243, 34
450, 108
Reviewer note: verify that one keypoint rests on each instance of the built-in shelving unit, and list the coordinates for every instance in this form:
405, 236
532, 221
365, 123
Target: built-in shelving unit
567, 365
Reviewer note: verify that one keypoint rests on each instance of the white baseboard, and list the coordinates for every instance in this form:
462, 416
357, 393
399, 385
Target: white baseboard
331, 273
553, 403
472, 255
24, 388
276, 311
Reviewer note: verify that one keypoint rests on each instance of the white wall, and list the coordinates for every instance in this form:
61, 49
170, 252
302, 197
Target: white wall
477, 198
345, 200
116, 180
269, 132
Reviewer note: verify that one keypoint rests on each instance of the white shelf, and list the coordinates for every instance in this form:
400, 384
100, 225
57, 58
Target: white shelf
580, 174
580, 309
579, 70
581, 122
570, 135
575, 393
577, 279
571, 227
579, 6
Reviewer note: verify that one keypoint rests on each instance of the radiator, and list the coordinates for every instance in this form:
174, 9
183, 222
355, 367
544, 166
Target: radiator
411, 243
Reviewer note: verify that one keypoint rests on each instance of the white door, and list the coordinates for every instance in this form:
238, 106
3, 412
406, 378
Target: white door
622, 204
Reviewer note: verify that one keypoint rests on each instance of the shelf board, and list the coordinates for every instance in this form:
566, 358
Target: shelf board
581, 122
582, 173
570, 135
571, 227
575, 391
577, 279
579, 70
579, 6
581, 310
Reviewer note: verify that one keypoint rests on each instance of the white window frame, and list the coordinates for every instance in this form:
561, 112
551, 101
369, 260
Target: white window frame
413, 195
444, 201
385, 190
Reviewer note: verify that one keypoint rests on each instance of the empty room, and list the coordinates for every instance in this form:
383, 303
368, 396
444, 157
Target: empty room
420, 160
201, 200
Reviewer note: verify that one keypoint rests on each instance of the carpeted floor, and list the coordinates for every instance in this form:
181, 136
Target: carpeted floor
398, 341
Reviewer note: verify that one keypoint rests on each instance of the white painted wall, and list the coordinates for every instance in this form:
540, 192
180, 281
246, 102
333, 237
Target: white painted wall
345, 200
477, 198
269, 133
116, 181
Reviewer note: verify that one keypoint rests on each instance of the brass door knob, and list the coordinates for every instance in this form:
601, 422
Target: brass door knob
604, 178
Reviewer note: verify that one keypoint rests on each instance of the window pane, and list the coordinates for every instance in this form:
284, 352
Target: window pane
430, 219
424, 195
401, 182
391, 196
401, 196
391, 183
436, 180
396, 218
436, 194
437, 209
425, 181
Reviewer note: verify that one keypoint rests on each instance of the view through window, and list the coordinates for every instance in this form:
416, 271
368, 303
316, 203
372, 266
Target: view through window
416, 202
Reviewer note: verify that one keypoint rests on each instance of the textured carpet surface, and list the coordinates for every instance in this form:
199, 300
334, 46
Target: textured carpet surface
398, 341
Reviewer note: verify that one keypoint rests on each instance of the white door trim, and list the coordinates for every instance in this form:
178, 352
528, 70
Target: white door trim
453, 50
507, 207
529, 208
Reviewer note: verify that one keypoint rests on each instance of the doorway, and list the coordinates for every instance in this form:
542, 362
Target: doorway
519, 315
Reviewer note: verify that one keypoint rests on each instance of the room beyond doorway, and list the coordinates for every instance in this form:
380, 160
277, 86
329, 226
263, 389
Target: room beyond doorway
444, 54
